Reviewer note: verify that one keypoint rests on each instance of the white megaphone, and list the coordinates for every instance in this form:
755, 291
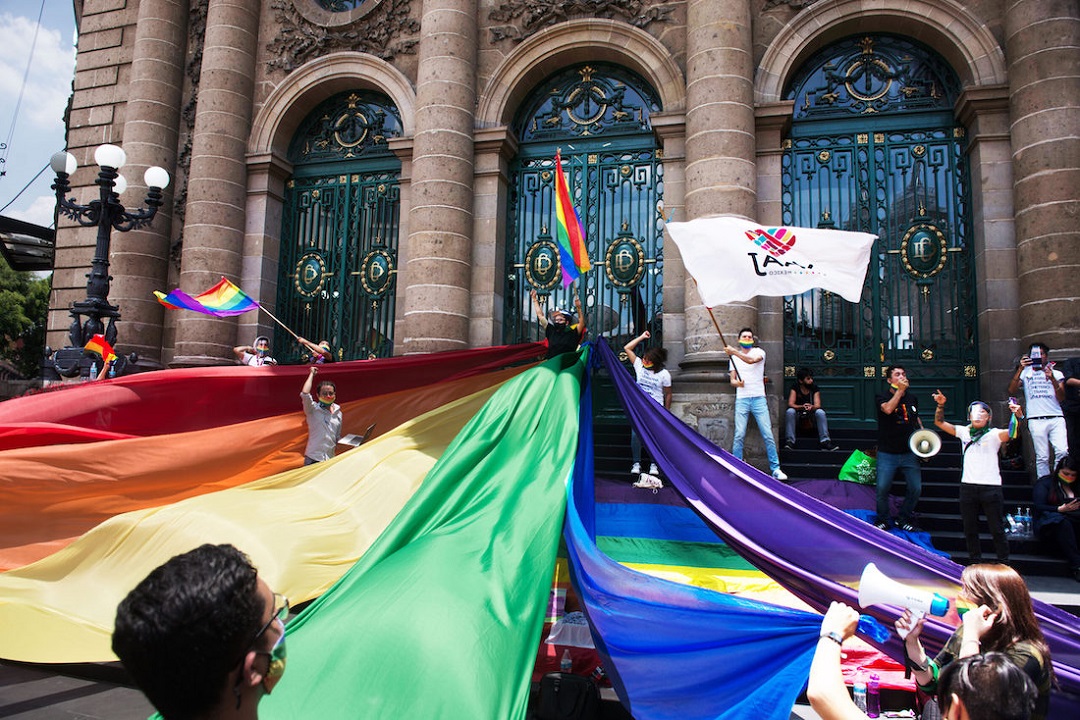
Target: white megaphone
875, 588
924, 443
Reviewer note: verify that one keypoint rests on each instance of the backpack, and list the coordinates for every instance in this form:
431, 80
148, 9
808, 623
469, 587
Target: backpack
565, 696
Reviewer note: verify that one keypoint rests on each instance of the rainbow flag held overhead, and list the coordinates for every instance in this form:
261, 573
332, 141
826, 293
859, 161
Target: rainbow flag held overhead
573, 255
101, 346
222, 300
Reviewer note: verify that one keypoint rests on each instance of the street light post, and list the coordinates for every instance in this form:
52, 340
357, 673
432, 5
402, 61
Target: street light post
108, 214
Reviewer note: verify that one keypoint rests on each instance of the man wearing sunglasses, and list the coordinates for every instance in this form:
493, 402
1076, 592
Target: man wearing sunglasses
203, 636
323, 417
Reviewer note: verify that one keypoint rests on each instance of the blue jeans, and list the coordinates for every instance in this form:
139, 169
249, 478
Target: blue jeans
888, 464
759, 408
819, 417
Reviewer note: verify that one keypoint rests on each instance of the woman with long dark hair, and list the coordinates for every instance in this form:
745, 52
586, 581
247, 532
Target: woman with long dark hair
1057, 521
1002, 621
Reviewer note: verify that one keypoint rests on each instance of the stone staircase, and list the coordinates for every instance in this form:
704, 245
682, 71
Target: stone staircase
938, 511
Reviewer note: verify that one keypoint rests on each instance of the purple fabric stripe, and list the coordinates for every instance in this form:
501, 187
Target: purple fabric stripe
814, 550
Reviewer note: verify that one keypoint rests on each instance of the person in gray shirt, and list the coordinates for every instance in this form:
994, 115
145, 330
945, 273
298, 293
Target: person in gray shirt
323, 417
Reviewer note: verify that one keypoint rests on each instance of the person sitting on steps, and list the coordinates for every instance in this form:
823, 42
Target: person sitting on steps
804, 401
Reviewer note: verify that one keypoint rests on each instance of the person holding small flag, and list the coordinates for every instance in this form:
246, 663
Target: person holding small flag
980, 481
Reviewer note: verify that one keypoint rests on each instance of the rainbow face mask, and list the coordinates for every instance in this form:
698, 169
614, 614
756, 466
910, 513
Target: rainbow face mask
746, 344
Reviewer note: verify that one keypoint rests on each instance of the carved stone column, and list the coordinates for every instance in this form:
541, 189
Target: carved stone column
217, 181
1041, 44
438, 270
720, 170
152, 119
720, 178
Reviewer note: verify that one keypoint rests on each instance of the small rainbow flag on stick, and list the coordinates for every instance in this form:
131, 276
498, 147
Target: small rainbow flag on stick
573, 255
222, 300
101, 346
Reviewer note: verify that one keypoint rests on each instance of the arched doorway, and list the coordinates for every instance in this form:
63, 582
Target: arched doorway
598, 115
874, 147
340, 224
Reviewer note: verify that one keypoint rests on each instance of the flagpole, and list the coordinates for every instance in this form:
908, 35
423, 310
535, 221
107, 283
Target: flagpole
719, 332
272, 317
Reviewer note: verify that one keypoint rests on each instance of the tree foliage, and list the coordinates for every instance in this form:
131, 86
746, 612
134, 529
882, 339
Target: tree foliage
24, 310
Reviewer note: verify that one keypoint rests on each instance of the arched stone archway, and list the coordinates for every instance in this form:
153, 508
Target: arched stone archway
945, 26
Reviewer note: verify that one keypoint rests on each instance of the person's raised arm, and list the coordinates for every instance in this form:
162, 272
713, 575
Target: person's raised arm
239, 351
316, 349
540, 316
629, 347
910, 627
889, 406
1014, 381
1014, 408
306, 390
939, 413
581, 317
826, 690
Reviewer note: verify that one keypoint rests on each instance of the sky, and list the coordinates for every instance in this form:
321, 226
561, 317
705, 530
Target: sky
35, 130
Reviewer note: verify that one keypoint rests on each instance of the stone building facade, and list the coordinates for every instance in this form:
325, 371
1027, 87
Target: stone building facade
237, 99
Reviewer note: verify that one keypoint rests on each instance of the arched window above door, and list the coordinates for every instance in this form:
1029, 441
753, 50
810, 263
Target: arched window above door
587, 100
349, 126
872, 74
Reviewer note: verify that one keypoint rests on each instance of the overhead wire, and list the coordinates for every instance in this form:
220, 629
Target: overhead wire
18, 103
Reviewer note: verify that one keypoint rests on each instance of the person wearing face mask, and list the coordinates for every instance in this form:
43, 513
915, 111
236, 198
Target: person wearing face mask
747, 370
980, 480
897, 418
562, 336
1057, 508
1044, 391
257, 354
323, 417
1001, 619
217, 665
321, 353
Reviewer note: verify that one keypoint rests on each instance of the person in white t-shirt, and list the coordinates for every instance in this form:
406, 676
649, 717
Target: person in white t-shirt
1044, 389
980, 481
656, 382
747, 367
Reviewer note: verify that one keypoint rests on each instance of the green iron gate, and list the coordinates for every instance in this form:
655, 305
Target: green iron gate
599, 116
340, 230
874, 148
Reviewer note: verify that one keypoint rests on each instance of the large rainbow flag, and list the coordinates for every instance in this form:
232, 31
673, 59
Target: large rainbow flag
429, 551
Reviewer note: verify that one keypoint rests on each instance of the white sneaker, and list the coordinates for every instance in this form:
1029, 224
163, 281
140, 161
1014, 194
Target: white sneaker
779, 474
653, 470
635, 469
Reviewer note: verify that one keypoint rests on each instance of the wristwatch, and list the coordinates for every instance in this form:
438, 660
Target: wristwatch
834, 636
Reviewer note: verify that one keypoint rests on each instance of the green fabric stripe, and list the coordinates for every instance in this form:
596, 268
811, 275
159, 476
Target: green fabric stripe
442, 615
669, 552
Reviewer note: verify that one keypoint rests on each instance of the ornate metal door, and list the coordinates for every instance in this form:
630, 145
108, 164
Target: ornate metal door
874, 148
340, 230
599, 116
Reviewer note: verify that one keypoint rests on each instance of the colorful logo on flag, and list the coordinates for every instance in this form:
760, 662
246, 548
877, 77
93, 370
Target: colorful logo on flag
775, 241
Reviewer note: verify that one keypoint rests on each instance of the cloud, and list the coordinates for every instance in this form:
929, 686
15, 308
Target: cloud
40, 211
48, 83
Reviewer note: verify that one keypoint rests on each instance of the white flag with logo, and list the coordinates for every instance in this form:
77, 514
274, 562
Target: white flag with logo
733, 259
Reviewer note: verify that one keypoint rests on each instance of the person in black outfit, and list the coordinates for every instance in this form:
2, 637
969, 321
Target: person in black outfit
1058, 511
897, 418
1070, 406
562, 336
804, 400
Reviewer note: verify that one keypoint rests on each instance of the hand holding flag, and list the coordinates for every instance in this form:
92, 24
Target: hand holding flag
101, 346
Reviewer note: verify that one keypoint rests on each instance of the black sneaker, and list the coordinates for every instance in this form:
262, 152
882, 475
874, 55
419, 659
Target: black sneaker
829, 445
881, 525
789, 444
908, 527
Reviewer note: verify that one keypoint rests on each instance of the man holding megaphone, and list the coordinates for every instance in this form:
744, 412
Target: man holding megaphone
980, 480
897, 418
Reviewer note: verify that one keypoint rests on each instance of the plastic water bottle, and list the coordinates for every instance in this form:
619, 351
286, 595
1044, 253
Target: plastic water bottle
93, 371
873, 697
112, 370
566, 664
859, 692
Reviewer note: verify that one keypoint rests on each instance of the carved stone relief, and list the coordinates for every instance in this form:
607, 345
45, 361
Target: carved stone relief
522, 18
385, 31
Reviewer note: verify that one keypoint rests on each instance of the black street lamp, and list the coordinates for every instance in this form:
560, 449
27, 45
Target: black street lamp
107, 214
